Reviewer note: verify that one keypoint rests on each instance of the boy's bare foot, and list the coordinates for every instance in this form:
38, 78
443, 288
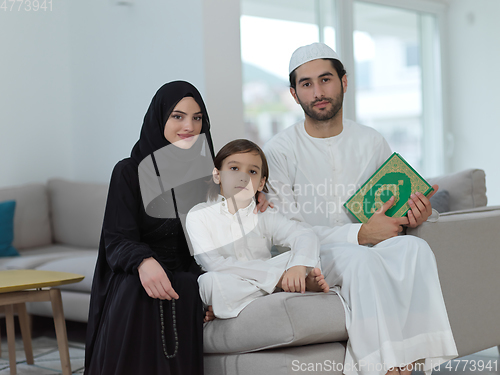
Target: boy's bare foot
315, 281
407, 369
393, 371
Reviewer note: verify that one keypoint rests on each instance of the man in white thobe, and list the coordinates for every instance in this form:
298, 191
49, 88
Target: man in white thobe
395, 313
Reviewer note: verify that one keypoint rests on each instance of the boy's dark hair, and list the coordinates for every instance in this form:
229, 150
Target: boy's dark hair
337, 65
239, 146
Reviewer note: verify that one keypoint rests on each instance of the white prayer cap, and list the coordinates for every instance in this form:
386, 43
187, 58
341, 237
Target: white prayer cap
311, 52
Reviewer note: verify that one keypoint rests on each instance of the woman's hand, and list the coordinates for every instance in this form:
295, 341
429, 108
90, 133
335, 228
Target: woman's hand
262, 203
155, 281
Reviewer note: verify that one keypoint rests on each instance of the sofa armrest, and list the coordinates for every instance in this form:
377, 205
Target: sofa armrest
467, 189
467, 249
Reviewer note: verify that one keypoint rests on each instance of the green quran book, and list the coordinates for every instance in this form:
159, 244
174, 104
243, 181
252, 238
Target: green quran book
394, 178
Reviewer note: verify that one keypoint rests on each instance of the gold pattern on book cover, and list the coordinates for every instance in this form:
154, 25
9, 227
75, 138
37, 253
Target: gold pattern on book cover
395, 178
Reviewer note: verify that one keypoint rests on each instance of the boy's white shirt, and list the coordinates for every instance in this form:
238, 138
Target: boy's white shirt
220, 246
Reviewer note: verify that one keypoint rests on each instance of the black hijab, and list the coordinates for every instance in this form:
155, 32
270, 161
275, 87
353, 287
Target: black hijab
163, 103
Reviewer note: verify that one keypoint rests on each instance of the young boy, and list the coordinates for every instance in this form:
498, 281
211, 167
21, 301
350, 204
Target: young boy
234, 245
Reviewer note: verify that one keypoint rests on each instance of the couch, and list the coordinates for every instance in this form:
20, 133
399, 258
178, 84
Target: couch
292, 334
57, 227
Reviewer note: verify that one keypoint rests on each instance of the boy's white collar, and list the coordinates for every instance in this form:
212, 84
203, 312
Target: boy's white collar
222, 201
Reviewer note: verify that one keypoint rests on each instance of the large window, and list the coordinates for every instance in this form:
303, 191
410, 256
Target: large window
391, 55
270, 31
388, 47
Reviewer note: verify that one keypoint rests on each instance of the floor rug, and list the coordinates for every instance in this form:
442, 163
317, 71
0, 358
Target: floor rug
46, 355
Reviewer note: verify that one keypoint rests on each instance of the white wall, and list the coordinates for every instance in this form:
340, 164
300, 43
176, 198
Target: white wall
474, 83
120, 56
223, 76
35, 114
77, 81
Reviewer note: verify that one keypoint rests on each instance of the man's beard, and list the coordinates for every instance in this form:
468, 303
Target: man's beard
324, 115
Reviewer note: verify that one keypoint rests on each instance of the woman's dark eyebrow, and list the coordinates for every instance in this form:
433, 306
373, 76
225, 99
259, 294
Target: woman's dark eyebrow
184, 113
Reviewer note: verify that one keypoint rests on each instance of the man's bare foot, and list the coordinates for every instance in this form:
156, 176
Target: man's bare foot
209, 315
407, 369
315, 281
393, 371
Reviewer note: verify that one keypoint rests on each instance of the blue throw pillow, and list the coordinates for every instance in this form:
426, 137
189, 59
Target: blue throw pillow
7, 229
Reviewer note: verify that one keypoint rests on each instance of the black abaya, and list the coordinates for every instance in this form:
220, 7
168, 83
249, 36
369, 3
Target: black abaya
124, 332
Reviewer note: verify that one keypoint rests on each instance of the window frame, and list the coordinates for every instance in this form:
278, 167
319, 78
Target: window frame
435, 125
436, 129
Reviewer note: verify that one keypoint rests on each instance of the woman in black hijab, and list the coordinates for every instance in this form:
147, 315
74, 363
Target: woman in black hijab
144, 258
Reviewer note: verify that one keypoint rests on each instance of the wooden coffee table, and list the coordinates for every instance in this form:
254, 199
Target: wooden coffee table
20, 286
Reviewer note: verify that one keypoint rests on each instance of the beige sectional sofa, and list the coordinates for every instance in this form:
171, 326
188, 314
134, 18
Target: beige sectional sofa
57, 227
269, 335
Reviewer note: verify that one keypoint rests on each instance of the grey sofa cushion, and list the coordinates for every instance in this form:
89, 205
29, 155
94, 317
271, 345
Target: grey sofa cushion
31, 218
320, 359
278, 320
467, 188
75, 306
82, 265
34, 258
441, 201
77, 212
